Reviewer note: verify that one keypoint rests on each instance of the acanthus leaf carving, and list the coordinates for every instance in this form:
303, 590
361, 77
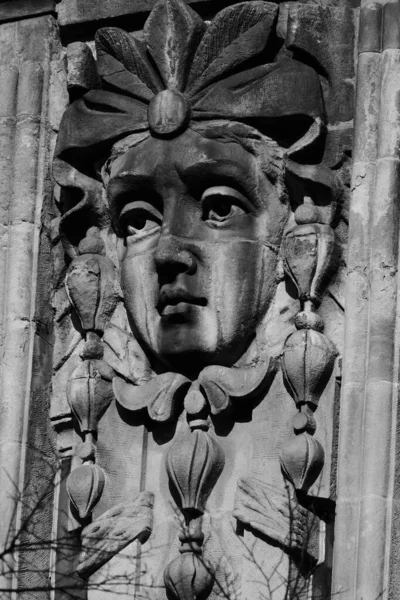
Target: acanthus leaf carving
272, 512
236, 33
124, 57
113, 531
173, 32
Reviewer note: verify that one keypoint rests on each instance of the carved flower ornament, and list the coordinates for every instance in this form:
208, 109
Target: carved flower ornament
183, 72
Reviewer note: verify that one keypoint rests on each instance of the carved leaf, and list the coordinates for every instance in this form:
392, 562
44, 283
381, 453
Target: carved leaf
173, 32
271, 511
85, 486
194, 463
270, 90
121, 55
90, 392
113, 531
236, 34
160, 395
188, 577
302, 461
307, 364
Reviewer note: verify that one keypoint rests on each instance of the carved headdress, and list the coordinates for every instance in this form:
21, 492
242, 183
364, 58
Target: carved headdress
181, 73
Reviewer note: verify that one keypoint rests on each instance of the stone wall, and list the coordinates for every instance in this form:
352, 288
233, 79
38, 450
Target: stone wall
128, 469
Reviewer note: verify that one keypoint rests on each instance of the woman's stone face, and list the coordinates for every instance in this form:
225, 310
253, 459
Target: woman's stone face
200, 229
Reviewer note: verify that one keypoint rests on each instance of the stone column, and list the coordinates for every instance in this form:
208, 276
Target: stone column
31, 103
366, 465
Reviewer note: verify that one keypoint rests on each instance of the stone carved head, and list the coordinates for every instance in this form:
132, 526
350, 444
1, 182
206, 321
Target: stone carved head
205, 139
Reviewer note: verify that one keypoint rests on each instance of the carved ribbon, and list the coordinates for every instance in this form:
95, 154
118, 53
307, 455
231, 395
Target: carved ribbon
165, 395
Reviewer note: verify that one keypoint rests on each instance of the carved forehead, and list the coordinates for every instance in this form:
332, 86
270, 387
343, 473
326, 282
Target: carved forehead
189, 158
151, 156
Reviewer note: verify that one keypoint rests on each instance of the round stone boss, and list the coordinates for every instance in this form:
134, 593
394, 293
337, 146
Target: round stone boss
168, 113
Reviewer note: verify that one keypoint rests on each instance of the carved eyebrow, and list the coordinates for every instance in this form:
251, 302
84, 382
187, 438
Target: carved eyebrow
124, 182
120, 186
211, 172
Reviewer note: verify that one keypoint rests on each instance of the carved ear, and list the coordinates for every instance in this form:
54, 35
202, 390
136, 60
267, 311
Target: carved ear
173, 31
236, 34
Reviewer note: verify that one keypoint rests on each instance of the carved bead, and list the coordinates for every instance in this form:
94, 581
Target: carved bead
194, 401
90, 392
91, 288
309, 258
168, 112
85, 486
194, 463
306, 212
302, 461
92, 348
307, 364
304, 422
187, 577
308, 319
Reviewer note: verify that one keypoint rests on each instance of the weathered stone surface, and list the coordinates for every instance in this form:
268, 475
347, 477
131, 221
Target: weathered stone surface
73, 12
307, 31
30, 56
82, 72
11, 10
204, 148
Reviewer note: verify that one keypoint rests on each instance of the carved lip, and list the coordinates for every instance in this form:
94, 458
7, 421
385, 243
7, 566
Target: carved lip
177, 296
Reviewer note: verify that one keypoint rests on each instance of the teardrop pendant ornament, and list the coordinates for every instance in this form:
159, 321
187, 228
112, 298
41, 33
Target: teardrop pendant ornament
194, 463
302, 461
91, 288
309, 258
187, 577
84, 487
307, 363
90, 392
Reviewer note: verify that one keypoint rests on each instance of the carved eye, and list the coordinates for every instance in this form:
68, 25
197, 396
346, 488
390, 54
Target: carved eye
139, 218
221, 203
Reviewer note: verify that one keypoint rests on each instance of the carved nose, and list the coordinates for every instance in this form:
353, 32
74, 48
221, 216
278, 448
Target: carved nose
171, 258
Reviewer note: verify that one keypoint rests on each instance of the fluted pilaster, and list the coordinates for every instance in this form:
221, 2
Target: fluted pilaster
31, 100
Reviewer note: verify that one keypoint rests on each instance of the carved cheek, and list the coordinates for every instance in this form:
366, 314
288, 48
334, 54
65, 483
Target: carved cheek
140, 288
243, 281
